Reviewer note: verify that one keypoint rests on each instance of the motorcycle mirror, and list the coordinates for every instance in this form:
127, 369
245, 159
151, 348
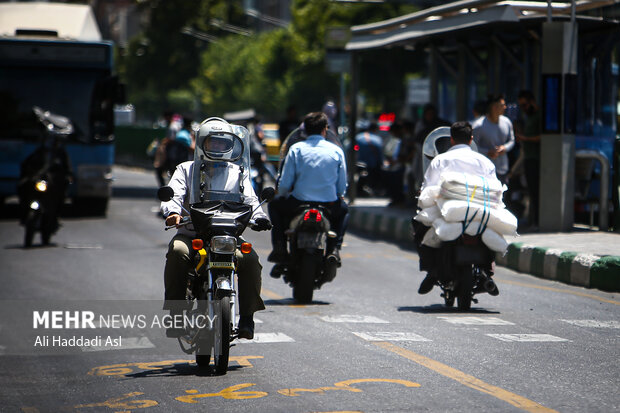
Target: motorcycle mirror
267, 194
165, 193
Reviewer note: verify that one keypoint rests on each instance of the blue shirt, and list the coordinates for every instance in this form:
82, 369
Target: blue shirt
370, 149
314, 170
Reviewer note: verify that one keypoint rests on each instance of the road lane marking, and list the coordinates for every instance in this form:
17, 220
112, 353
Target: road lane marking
559, 290
467, 380
476, 321
230, 393
594, 323
270, 294
122, 403
527, 337
346, 385
353, 318
390, 336
261, 338
126, 343
128, 368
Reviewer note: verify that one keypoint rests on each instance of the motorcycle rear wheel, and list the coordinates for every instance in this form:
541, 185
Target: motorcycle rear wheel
221, 361
466, 284
303, 288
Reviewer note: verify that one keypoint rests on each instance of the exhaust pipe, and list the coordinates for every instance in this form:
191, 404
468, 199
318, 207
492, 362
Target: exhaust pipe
490, 287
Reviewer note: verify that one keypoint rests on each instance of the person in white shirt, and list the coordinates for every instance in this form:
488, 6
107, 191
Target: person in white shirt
459, 158
225, 179
494, 135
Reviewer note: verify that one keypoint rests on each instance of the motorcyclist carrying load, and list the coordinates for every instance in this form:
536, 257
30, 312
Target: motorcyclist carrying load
458, 161
196, 181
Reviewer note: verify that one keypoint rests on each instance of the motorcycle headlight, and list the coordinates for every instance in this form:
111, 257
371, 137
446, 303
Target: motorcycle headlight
223, 244
41, 186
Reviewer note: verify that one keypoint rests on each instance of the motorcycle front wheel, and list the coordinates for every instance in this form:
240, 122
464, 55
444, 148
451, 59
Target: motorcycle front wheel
221, 361
31, 228
303, 288
203, 352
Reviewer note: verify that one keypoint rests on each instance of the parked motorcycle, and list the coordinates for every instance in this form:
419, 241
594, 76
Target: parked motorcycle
465, 265
44, 178
308, 267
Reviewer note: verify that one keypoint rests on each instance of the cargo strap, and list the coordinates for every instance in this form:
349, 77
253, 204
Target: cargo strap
486, 213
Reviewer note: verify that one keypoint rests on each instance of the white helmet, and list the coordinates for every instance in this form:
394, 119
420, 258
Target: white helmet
218, 141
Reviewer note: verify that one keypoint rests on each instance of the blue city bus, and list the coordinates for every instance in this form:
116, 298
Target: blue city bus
68, 77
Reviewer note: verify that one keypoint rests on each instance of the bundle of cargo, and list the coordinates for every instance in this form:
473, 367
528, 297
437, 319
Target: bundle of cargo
466, 204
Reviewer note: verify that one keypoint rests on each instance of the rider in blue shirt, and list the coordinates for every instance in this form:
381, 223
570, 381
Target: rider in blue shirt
314, 171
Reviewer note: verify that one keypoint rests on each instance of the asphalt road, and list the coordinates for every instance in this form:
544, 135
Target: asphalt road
367, 343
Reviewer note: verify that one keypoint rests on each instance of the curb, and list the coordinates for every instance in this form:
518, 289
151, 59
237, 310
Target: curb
586, 270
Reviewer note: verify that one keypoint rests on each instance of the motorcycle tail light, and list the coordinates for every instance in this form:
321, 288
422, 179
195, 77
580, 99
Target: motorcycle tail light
223, 244
246, 248
315, 212
197, 244
41, 186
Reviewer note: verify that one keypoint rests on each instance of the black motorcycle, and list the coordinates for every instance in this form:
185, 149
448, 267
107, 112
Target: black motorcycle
465, 269
44, 178
308, 267
465, 265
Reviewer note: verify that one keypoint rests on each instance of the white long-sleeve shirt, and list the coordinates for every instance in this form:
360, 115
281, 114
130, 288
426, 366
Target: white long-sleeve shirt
181, 185
459, 158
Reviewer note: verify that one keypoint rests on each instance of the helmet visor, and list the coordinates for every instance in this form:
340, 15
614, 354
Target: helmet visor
222, 146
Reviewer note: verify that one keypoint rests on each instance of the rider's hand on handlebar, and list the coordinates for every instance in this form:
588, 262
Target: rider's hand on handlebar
262, 224
173, 219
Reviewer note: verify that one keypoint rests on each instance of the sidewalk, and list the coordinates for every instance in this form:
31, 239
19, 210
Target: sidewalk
583, 257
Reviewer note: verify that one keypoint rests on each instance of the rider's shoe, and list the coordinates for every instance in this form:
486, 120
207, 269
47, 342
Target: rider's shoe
279, 254
427, 284
277, 270
246, 327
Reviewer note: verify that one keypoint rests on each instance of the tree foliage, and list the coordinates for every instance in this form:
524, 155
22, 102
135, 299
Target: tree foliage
266, 71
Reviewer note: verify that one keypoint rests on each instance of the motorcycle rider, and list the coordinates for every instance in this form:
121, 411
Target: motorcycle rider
459, 158
314, 171
178, 258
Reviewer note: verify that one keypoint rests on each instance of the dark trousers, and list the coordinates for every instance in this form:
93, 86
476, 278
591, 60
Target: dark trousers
179, 263
532, 177
283, 210
428, 256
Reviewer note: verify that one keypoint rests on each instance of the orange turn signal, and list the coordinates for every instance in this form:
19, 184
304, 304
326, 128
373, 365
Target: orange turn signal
246, 248
197, 244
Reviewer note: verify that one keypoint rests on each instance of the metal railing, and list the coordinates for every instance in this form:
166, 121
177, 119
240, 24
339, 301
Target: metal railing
603, 210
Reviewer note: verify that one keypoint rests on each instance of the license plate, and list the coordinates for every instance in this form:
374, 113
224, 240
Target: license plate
311, 240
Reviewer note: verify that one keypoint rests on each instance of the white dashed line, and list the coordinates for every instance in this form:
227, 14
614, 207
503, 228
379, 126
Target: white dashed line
594, 323
390, 336
477, 321
349, 318
526, 337
260, 338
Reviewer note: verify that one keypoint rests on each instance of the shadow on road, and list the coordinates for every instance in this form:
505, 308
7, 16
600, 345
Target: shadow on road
178, 370
440, 308
291, 301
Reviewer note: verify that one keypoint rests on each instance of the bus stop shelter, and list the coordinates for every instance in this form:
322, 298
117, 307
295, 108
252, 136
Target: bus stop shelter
475, 48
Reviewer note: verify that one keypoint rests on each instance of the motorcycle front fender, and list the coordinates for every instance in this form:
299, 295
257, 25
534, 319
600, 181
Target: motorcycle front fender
223, 287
